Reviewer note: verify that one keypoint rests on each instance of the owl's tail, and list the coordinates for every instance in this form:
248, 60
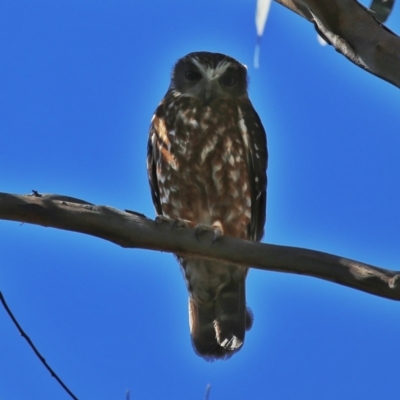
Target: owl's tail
218, 329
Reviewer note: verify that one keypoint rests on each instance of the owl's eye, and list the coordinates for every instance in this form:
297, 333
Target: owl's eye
227, 80
192, 76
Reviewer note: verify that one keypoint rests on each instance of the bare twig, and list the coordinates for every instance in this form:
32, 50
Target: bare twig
135, 231
33, 347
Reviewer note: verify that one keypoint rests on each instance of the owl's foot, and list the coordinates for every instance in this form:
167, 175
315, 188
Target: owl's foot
182, 223
161, 219
176, 223
215, 228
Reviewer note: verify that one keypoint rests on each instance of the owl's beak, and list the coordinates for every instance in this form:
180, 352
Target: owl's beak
210, 93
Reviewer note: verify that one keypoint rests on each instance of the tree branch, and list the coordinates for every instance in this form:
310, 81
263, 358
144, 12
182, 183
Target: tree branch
354, 31
134, 230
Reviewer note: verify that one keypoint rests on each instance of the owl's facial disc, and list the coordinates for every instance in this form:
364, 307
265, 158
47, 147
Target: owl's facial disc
207, 77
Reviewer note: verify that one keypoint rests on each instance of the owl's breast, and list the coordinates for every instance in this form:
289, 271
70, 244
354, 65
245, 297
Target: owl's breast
203, 168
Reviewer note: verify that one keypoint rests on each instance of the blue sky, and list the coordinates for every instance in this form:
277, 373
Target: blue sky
79, 83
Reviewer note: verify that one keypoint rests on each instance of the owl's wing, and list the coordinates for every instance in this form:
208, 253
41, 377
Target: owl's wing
257, 166
151, 169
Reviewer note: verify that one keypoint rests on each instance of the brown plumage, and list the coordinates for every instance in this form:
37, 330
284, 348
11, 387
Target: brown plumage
206, 163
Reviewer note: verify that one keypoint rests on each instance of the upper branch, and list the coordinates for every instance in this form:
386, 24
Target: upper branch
353, 30
134, 230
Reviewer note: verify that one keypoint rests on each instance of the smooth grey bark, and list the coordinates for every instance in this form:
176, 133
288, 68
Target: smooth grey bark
134, 230
354, 32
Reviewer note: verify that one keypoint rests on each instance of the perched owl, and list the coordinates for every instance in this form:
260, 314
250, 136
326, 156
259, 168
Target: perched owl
206, 163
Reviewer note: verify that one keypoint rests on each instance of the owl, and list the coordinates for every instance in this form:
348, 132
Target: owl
206, 162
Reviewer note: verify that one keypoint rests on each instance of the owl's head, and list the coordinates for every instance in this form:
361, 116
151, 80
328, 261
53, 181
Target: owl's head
209, 76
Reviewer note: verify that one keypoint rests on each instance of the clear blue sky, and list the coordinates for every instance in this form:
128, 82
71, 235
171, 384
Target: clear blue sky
79, 82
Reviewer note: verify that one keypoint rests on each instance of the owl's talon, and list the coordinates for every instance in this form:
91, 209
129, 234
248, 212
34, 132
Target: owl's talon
181, 223
217, 234
175, 223
162, 219
201, 228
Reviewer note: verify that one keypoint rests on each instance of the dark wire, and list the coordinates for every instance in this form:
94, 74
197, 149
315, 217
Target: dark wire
26, 337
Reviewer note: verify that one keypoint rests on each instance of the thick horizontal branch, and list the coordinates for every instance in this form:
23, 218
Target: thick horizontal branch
134, 230
354, 31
